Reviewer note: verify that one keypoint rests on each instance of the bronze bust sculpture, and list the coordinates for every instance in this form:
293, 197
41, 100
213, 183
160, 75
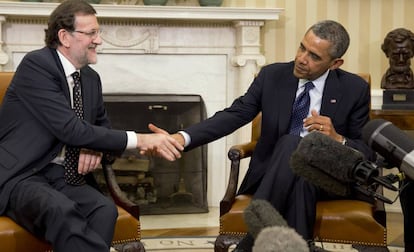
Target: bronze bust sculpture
398, 46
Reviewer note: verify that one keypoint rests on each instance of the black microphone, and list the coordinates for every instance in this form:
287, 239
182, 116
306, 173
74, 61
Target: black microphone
270, 229
392, 143
334, 167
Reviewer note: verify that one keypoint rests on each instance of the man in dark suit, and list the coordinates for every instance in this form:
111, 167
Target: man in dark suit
37, 124
338, 107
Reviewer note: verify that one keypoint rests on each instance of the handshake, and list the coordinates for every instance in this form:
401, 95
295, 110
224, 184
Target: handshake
160, 143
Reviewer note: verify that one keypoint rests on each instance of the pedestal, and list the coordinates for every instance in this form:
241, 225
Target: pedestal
398, 99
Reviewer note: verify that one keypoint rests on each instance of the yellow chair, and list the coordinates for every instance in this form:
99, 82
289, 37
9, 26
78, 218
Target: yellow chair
338, 221
14, 238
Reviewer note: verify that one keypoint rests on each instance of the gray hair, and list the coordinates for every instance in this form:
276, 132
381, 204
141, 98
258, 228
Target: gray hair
335, 33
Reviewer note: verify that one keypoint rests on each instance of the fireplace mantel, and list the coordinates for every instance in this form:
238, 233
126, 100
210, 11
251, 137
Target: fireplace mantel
35, 9
213, 52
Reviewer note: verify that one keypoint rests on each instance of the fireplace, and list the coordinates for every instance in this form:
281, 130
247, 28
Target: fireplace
156, 185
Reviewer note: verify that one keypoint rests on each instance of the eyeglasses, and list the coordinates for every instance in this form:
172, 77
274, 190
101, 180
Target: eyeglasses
92, 34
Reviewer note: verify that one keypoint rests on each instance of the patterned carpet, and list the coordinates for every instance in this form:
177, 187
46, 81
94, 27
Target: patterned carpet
206, 244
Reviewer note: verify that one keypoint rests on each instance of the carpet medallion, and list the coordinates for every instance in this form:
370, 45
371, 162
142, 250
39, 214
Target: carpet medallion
196, 244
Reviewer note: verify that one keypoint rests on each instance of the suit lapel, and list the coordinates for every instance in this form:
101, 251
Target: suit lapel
285, 98
63, 81
331, 96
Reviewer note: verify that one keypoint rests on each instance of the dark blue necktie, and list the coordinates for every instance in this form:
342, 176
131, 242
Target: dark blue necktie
300, 110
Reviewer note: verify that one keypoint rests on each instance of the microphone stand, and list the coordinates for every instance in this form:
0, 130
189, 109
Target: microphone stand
386, 181
369, 192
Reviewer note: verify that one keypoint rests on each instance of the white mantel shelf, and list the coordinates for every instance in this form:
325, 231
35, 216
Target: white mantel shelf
42, 9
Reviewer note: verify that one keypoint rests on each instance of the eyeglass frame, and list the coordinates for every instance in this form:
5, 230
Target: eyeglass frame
92, 34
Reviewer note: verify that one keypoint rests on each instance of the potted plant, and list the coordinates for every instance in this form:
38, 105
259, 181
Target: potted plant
210, 2
155, 2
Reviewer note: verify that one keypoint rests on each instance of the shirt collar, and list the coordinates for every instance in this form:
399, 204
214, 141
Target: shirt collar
319, 83
68, 68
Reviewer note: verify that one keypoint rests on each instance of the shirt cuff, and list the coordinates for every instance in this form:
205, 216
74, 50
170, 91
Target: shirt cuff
344, 141
187, 138
132, 140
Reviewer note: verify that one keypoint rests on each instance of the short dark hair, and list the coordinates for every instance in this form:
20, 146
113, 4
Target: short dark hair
335, 33
63, 17
398, 35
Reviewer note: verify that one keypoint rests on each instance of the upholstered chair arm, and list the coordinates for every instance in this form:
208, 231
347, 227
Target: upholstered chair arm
116, 193
235, 154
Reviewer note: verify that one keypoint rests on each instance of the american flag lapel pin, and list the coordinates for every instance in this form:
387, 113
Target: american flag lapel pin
333, 101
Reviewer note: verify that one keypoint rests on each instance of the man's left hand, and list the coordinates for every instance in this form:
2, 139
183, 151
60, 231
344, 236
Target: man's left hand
89, 160
323, 124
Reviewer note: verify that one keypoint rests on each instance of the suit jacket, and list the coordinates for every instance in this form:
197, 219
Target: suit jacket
346, 99
36, 119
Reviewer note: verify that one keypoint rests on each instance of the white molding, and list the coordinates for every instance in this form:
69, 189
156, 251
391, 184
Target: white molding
376, 98
35, 9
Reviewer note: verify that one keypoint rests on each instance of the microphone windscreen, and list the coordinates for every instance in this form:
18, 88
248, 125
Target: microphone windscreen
260, 214
279, 239
325, 181
325, 162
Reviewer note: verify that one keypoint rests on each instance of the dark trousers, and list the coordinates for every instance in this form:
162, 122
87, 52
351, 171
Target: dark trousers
71, 218
407, 205
291, 195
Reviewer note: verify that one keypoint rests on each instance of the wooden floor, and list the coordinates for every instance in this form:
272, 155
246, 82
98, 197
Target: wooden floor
394, 231
201, 231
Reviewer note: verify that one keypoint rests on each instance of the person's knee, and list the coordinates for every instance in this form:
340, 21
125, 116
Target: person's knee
63, 209
289, 140
112, 211
108, 209
285, 146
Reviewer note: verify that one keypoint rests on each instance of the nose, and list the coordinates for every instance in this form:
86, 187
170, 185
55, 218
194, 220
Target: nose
98, 39
401, 57
302, 57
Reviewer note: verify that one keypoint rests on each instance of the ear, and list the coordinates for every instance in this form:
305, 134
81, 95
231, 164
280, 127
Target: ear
63, 37
336, 63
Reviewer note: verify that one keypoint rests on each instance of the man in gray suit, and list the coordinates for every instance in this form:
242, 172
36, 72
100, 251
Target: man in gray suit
338, 107
37, 123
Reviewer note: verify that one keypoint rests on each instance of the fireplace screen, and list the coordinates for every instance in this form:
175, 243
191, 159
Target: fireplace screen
156, 185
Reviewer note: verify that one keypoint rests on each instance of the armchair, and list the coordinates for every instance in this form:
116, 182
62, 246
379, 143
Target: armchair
353, 222
13, 238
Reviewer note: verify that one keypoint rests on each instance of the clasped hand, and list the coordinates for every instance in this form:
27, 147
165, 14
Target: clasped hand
160, 144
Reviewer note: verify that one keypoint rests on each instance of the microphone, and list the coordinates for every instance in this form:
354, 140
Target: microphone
270, 230
279, 239
390, 142
335, 168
